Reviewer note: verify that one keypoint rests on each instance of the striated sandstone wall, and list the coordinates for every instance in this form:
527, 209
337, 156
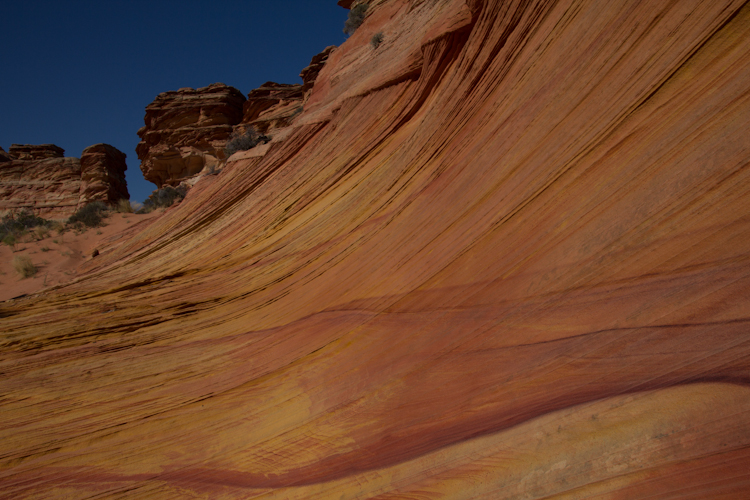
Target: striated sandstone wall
504, 255
41, 179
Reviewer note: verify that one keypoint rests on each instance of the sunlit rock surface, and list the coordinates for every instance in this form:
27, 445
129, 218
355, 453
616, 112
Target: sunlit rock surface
186, 130
506, 254
41, 179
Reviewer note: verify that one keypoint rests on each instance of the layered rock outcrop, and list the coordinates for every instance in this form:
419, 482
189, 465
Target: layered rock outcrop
103, 175
39, 178
502, 255
186, 130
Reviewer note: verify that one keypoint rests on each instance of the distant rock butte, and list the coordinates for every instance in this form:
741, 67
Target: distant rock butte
35, 151
503, 255
41, 179
103, 174
186, 130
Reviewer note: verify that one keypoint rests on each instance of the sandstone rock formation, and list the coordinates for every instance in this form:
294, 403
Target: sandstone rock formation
4, 156
41, 179
186, 130
103, 175
272, 106
35, 151
504, 255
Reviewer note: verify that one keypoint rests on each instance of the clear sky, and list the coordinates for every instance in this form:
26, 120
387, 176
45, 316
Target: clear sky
79, 72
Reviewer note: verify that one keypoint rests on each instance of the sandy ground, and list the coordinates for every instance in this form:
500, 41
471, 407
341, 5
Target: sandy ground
59, 256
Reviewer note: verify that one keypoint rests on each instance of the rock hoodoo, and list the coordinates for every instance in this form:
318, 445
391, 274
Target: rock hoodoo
103, 174
41, 179
505, 255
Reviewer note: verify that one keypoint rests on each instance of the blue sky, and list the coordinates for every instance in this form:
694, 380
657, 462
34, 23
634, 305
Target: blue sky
81, 72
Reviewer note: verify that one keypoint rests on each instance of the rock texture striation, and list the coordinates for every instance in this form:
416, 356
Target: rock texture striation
504, 255
39, 178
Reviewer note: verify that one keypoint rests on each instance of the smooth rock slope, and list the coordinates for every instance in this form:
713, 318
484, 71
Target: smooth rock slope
505, 254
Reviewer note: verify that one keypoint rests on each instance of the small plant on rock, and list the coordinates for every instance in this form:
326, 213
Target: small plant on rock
376, 40
244, 141
23, 266
355, 19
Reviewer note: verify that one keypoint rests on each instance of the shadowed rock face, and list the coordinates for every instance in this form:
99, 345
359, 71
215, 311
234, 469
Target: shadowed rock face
503, 255
103, 174
41, 179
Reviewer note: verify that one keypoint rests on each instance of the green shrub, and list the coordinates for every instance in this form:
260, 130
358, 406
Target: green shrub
23, 266
355, 19
376, 40
243, 142
89, 215
10, 240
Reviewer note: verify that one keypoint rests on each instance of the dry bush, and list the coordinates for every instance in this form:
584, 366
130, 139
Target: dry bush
244, 141
376, 40
124, 207
355, 19
41, 232
23, 266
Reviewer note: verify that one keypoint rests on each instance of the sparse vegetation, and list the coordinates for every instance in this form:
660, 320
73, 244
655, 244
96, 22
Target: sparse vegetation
243, 142
14, 226
23, 266
163, 198
41, 232
124, 207
355, 19
376, 40
90, 215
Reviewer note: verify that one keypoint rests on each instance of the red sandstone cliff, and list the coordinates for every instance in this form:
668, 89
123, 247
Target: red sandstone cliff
41, 179
504, 254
